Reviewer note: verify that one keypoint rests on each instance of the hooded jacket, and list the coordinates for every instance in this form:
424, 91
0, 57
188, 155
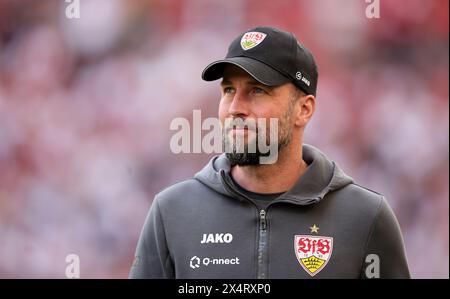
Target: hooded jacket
326, 226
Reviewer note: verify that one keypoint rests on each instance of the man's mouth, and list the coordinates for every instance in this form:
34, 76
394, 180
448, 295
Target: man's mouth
240, 131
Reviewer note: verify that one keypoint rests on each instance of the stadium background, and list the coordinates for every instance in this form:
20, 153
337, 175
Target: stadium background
85, 108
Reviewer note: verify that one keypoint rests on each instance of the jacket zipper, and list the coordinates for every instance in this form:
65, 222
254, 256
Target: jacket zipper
262, 245
262, 262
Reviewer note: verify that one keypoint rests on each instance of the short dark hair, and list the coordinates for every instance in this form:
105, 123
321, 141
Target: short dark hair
297, 93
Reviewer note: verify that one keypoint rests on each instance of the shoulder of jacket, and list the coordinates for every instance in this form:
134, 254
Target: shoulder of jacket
361, 197
177, 190
366, 191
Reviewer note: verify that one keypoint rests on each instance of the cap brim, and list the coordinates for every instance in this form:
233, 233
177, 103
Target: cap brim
258, 70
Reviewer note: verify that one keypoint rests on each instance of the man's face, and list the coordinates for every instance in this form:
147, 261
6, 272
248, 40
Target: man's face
245, 98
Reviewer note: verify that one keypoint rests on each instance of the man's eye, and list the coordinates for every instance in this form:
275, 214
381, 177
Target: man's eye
258, 90
228, 90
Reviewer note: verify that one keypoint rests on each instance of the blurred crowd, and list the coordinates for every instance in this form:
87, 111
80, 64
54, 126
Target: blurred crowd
86, 104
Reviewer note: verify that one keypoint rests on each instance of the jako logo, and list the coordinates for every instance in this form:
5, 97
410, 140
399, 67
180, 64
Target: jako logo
217, 238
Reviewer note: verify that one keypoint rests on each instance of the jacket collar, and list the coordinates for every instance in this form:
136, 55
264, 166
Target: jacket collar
321, 177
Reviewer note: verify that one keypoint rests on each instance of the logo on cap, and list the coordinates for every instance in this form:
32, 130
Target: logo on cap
252, 39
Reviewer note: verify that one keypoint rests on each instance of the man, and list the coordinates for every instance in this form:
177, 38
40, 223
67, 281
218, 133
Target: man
300, 216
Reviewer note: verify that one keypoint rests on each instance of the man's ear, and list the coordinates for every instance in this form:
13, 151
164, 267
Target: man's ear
306, 110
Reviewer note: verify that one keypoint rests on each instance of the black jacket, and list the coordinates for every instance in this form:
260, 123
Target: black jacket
326, 226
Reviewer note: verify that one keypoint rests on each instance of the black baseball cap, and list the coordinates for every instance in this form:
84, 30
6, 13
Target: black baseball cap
271, 56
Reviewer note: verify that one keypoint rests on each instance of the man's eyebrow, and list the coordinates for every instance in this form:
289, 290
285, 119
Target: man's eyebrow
225, 82
254, 82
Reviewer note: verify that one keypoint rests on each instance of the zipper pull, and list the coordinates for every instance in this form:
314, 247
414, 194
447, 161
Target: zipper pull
262, 217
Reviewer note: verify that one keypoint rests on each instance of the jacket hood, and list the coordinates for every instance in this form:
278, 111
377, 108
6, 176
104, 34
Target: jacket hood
321, 177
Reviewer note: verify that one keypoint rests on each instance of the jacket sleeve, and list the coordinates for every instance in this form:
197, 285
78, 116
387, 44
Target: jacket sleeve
385, 251
152, 258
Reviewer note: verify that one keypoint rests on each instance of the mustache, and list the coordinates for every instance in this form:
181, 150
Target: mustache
240, 123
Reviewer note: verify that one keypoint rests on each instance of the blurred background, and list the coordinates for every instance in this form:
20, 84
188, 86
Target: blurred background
86, 104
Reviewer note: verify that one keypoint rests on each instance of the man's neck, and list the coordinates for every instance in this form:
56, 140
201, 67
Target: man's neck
272, 178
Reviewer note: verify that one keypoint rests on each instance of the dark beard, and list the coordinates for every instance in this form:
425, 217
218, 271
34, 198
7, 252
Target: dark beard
247, 158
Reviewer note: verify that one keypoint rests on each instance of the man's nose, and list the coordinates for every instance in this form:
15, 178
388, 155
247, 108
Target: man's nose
239, 107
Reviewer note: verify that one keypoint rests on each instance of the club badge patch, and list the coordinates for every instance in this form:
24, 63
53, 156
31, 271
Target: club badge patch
252, 39
313, 252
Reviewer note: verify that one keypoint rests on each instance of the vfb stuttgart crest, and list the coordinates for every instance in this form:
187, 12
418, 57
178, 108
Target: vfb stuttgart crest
252, 39
313, 252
